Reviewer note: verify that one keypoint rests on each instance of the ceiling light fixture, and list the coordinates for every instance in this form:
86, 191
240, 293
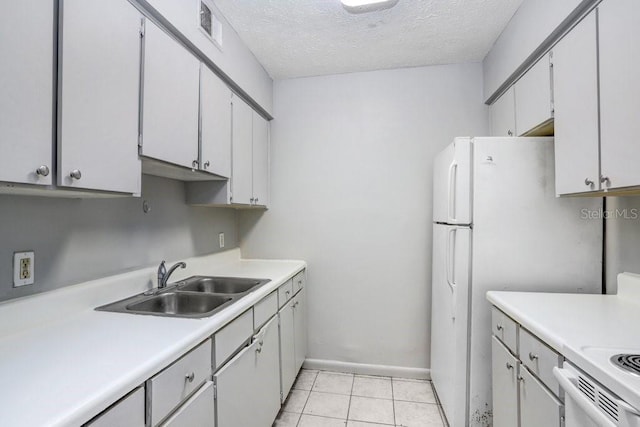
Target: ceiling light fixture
362, 6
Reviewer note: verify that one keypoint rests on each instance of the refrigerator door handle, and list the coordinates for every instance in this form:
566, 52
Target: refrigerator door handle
451, 281
451, 192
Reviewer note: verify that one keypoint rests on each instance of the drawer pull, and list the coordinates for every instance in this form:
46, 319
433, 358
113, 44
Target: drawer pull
532, 356
190, 377
259, 350
521, 379
509, 365
499, 327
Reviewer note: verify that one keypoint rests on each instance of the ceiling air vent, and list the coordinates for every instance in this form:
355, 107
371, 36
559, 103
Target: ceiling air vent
209, 23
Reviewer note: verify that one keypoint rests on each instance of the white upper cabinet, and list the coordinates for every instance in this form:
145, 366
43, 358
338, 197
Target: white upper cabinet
171, 89
215, 123
575, 82
99, 100
533, 97
260, 160
26, 91
503, 114
619, 50
242, 169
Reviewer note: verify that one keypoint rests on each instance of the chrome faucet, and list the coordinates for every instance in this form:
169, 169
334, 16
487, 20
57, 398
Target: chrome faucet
163, 274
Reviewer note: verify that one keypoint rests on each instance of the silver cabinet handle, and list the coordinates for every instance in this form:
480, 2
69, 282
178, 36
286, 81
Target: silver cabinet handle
251, 200
207, 164
533, 356
605, 179
190, 377
588, 182
521, 379
195, 163
76, 174
509, 365
256, 200
43, 170
499, 327
509, 132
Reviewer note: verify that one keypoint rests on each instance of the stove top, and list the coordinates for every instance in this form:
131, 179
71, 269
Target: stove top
627, 362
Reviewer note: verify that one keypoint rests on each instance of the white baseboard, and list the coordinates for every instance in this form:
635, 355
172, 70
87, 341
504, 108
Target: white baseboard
366, 369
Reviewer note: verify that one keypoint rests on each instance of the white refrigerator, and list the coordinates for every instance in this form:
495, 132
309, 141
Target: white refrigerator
498, 225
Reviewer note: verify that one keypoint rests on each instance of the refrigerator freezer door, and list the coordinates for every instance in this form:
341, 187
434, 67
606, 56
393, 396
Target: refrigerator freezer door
452, 183
449, 318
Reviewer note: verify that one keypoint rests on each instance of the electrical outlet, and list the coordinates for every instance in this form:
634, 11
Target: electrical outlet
221, 239
23, 267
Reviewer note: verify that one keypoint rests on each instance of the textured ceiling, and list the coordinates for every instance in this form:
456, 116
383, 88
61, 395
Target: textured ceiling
296, 38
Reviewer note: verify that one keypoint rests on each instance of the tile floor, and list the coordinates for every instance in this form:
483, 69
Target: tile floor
328, 399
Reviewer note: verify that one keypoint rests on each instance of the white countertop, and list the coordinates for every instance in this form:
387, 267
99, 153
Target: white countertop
586, 329
61, 362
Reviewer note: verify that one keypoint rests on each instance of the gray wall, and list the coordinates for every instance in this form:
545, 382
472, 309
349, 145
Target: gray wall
622, 238
351, 168
76, 240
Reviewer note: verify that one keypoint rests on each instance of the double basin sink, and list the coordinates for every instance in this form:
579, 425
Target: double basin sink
195, 297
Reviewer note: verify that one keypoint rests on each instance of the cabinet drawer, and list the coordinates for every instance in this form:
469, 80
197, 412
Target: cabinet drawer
265, 310
232, 337
540, 359
285, 292
178, 381
299, 281
129, 411
503, 327
199, 410
538, 407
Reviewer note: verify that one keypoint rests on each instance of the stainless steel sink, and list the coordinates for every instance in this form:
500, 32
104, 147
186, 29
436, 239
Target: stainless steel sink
220, 285
195, 297
180, 304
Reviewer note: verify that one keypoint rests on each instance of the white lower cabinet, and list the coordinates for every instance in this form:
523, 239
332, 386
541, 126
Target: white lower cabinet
247, 387
288, 369
198, 411
300, 328
538, 406
525, 393
505, 385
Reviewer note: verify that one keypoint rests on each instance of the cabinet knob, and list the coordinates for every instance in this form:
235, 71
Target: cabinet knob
43, 170
207, 164
190, 377
588, 182
605, 180
195, 164
533, 356
76, 174
509, 132
509, 365
521, 379
256, 200
499, 327
259, 350
251, 200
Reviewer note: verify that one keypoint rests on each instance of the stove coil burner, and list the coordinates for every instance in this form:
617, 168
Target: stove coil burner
628, 362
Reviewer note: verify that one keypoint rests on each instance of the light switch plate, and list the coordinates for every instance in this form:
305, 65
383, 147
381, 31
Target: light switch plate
23, 268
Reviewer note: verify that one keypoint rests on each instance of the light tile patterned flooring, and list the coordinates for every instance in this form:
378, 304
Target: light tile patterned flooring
333, 399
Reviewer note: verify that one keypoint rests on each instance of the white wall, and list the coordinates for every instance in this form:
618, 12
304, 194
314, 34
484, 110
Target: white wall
622, 238
76, 240
351, 168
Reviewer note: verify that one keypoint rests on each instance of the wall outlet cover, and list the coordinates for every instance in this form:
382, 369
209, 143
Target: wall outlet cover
23, 268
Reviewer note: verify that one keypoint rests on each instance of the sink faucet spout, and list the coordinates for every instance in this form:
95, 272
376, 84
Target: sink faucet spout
164, 274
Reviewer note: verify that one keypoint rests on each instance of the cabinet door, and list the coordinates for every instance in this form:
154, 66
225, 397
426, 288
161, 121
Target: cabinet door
215, 123
248, 386
538, 407
287, 348
260, 160
242, 167
575, 86
26, 91
503, 115
198, 411
99, 100
171, 88
619, 52
533, 97
505, 385
300, 328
